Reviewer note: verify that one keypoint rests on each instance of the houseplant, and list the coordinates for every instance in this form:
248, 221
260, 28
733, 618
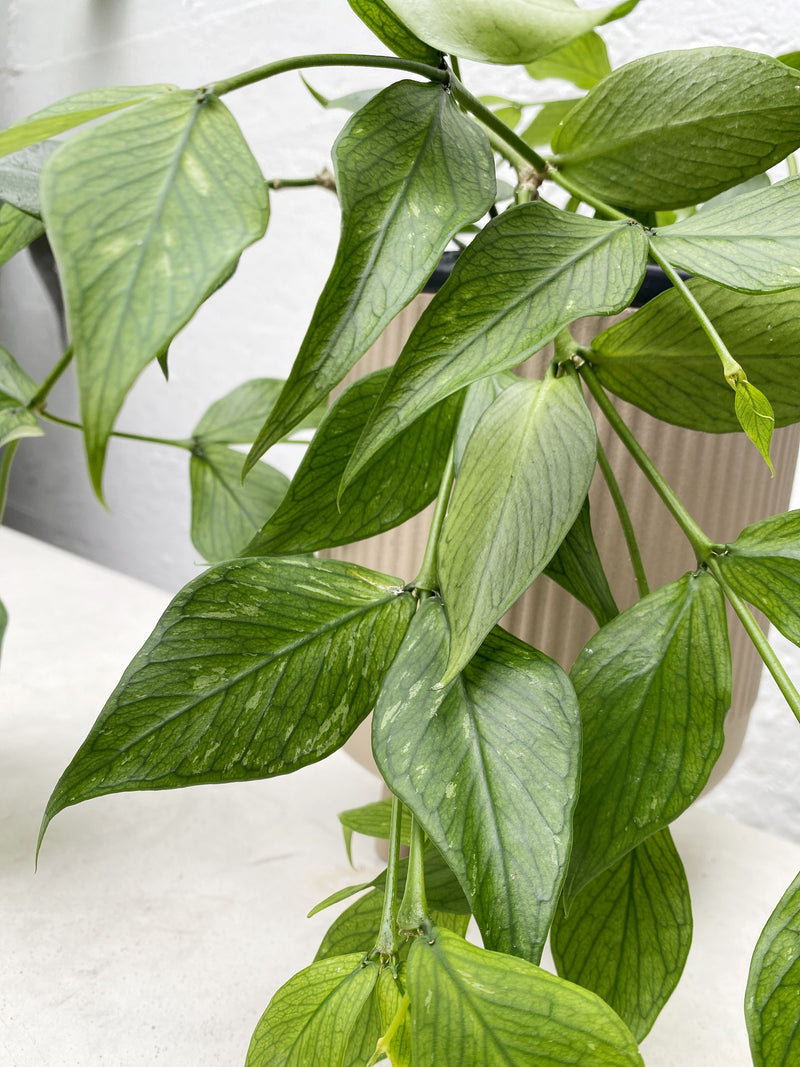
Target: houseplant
478, 735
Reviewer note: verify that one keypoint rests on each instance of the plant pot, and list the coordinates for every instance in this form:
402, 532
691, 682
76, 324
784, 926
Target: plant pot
699, 466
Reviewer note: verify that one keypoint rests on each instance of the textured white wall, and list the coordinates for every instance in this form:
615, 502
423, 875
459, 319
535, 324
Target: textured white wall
253, 326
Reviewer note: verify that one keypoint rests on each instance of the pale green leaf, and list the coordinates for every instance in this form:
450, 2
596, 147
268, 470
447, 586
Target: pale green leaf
16, 390
661, 359
756, 417
388, 28
21, 175
316, 1010
675, 128
502, 31
489, 766
400, 480
522, 481
583, 62
491, 1010
391, 991
628, 932
236, 418
147, 214
374, 820
577, 567
541, 130
349, 102
656, 679
750, 243
258, 667
227, 512
477, 399
15, 383
17, 231
763, 566
366, 1032
529, 272
356, 929
74, 111
411, 170
773, 986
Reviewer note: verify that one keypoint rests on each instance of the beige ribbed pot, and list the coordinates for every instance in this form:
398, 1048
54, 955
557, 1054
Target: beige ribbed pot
694, 464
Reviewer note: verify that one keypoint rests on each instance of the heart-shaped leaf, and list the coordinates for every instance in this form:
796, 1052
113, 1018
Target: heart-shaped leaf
388, 28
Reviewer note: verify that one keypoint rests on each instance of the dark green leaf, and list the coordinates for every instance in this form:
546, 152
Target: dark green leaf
773, 987
21, 174
675, 128
655, 680
399, 481
628, 932
661, 359
523, 479
756, 417
540, 132
577, 567
374, 820
503, 31
529, 272
17, 230
397, 37
227, 512
750, 243
411, 170
489, 766
258, 667
791, 59
763, 566
489, 1009
74, 111
583, 62
146, 213
315, 1010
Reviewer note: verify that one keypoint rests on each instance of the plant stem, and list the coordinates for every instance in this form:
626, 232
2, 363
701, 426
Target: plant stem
412, 915
386, 945
283, 66
732, 370
625, 521
382, 1048
43, 391
701, 544
497, 126
188, 445
427, 579
5, 473
757, 636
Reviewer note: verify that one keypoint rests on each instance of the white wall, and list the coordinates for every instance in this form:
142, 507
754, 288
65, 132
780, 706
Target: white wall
253, 326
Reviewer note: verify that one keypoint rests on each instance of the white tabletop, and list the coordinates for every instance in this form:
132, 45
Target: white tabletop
159, 924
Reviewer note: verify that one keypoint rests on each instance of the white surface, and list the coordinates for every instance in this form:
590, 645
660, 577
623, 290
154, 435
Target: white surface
159, 924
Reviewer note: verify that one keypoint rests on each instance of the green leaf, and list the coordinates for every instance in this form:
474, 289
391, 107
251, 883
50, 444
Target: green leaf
756, 417
488, 1009
349, 102
411, 170
502, 31
577, 567
661, 359
750, 243
529, 272
628, 933
489, 766
236, 418
258, 667
656, 679
374, 820
21, 175
583, 62
16, 390
227, 512
523, 479
675, 128
17, 231
791, 59
391, 992
366, 1032
400, 480
315, 1010
397, 37
147, 214
773, 986
477, 398
763, 566
74, 111
355, 930
337, 897
540, 132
